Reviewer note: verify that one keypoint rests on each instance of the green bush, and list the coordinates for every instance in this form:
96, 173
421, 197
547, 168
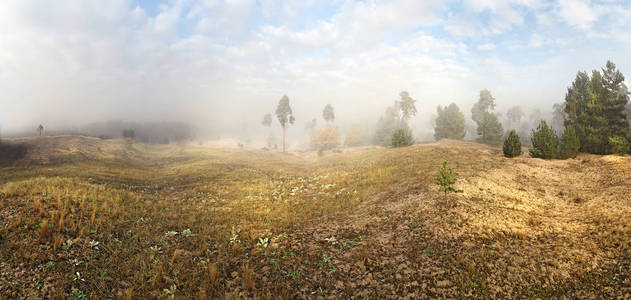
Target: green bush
545, 143
446, 180
512, 145
619, 144
570, 143
402, 137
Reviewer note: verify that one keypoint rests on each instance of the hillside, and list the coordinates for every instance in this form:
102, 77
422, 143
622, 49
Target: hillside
161, 221
58, 149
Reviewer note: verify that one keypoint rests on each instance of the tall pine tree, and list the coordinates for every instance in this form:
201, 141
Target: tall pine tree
595, 105
489, 129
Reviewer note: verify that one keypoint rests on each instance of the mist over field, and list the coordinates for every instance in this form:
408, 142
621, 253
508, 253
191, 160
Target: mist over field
218, 66
307, 149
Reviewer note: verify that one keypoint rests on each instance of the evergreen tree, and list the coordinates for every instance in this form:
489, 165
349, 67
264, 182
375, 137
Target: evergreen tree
570, 143
489, 128
450, 123
402, 137
545, 143
328, 114
595, 107
619, 144
514, 115
284, 115
446, 179
407, 107
386, 125
512, 145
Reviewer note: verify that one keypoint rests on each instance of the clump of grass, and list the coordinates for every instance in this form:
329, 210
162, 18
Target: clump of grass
44, 233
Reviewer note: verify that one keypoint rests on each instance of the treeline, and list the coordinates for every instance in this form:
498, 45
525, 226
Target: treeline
149, 132
594, 118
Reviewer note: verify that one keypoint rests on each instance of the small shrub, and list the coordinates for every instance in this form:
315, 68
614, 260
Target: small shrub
619, 144
545, 143
570, 143
326, 138
446, 180
402, 137
512, 145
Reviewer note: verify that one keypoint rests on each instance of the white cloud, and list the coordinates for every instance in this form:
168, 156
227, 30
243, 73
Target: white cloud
578, 13
89, 60
486, 47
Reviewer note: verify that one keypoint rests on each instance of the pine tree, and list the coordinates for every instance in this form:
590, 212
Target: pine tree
402, 137
284, 115
545, 143
512, 145
450, 123
446, 179
489, 128
570, 143
595, 108
619, 144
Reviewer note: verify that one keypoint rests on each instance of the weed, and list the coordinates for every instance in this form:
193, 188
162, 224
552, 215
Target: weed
49, 265
78, 295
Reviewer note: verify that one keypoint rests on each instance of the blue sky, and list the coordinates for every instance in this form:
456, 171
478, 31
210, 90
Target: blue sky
211, 60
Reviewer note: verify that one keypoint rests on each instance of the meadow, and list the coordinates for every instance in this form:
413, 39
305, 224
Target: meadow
88, 218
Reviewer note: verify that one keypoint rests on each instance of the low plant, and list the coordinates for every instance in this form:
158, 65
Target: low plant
446, 180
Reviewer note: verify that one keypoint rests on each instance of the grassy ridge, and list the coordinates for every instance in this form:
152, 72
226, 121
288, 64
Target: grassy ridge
190, 221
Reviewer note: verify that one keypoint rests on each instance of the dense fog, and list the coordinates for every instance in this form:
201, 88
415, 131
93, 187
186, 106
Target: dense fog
204, 70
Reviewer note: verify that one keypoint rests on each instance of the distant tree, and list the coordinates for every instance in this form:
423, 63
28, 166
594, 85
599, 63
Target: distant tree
310, 125
545, 143
284, 115
446, 179
386, 125
514, 115
407, 107
570, 143
450, 123
558, 117
129, 133
402, 137
328, 114
326, 138
354, 137
535, 116
489, 128
512, 145
267, 120
40, 129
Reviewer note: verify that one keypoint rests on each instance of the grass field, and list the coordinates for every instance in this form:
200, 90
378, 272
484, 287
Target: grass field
83, 217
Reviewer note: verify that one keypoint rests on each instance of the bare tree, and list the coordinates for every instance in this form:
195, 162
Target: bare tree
40, 128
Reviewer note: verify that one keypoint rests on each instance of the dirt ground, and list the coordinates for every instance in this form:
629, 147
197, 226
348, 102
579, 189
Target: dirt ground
365, 223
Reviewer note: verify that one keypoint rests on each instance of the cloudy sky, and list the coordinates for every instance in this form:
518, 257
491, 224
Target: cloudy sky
64, 63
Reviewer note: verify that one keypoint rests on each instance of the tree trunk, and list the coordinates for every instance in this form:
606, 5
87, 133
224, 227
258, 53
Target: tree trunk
283, 138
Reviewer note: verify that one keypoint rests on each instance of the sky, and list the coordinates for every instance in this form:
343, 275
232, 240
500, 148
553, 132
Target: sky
220, 63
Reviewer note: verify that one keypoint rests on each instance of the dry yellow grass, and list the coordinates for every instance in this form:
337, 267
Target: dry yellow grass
139, 221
